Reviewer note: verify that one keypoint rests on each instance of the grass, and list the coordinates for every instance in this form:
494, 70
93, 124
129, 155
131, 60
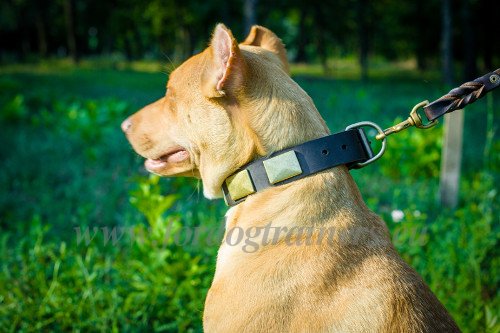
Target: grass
65, 165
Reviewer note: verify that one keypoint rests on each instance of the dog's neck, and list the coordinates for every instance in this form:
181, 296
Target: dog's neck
281, 114
302, 203
266, 119
344, 148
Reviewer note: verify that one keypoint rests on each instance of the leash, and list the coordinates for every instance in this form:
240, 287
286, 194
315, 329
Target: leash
350, 147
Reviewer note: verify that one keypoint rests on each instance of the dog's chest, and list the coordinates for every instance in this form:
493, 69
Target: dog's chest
224, 253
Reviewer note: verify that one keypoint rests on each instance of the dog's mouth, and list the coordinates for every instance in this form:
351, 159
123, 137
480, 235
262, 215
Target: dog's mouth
173, 156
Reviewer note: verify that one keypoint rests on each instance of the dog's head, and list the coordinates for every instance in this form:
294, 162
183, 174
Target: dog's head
223, 108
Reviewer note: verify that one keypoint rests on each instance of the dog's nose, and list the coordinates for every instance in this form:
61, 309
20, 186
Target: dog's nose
126, 124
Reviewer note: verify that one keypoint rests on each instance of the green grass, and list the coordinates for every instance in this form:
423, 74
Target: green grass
136, 88
65, 164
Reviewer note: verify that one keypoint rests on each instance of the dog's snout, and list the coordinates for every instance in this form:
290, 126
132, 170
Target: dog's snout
126, 124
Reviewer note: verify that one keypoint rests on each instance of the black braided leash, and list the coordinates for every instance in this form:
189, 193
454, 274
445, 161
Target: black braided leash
461, 96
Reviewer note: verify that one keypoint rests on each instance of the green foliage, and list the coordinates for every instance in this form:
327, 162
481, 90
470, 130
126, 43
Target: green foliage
140, 281
68, 173
147, 198
14, 110
456, 252
471, 264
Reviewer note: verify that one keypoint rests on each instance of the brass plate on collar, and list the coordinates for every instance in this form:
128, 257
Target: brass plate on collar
240, 185
282, 167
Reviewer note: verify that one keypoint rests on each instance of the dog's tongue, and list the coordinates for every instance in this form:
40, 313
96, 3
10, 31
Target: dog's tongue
154, 165
179, 156
160, 163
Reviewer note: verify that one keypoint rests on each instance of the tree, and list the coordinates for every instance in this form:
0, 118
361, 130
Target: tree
446, 42
302, 40
70, 28
469, 41
41, 28
363, 36
453, 132
249, 11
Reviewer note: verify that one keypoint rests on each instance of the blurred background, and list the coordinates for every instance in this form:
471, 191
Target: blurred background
75, 196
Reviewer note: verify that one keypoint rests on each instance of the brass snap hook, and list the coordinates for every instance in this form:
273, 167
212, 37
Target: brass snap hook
413, 120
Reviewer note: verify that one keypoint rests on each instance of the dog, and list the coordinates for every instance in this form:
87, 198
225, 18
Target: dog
230, 105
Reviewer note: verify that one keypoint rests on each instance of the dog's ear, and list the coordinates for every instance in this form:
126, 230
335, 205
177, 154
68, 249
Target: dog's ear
226, 67
265, 38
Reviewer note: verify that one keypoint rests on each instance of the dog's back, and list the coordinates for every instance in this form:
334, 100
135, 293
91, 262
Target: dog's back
338, 272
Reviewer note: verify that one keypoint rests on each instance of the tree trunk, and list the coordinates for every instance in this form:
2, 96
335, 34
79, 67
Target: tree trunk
451, 158
321, 39
323, 56
421, 59
127, 47
446, 42
301, 55
249, 11
420, 51
70, 29
25, 47
41, 34
453, 131
470, 65
364, 38
182, 47
488, 22
139, 45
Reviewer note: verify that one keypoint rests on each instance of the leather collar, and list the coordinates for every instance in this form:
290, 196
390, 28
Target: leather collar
282, 167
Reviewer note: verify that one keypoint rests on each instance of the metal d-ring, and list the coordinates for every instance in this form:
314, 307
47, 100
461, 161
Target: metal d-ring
384, 141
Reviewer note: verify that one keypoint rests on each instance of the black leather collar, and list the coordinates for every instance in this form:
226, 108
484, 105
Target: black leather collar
282, 167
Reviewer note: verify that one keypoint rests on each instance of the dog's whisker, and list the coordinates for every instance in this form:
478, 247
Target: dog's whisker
169, 67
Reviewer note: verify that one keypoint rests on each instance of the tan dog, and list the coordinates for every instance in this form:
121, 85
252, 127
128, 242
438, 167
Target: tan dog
229, 105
